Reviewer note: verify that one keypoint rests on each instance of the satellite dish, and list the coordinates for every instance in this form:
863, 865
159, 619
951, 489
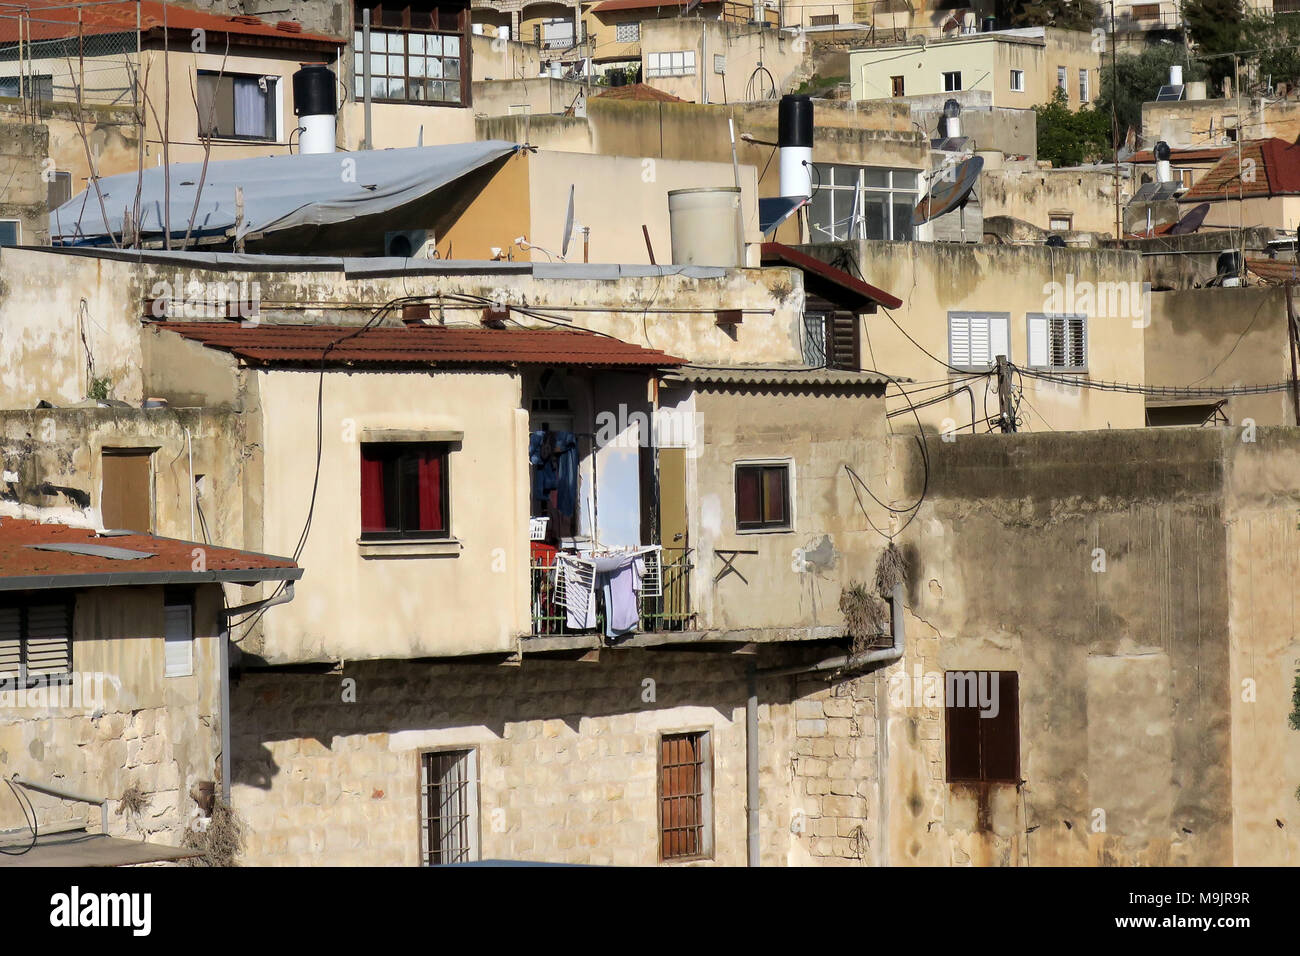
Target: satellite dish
568, 225
950, 193
1192, 221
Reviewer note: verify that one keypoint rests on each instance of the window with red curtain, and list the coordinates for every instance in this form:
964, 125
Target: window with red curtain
762, 497
404, 490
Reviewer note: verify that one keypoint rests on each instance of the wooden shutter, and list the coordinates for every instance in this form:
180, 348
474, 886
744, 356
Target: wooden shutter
842, 342
126, 495
49, 640
1000, 734
681, 792
961, 737
11, 631
178, 630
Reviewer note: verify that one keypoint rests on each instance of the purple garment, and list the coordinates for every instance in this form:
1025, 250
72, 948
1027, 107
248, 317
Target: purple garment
622, 589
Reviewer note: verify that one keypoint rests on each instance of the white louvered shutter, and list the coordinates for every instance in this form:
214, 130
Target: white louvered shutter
49, 640
979, 341
999, 337
179, 640
959, 339
1078, 347
10, 643
1037, 332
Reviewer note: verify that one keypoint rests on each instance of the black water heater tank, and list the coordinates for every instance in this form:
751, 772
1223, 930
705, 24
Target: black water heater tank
794, 123
314, 91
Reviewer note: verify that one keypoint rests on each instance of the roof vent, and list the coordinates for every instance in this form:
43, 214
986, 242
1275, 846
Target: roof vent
245, 18
289, 26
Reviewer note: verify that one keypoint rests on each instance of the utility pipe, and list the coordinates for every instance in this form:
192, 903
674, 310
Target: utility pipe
842, 663
100, 802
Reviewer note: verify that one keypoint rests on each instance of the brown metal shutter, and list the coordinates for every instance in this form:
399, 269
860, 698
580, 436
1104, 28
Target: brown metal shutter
126, 496
681, 791
961, 739
1000, 735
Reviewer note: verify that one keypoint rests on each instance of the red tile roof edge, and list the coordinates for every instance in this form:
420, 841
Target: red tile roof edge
273, 344
779, 252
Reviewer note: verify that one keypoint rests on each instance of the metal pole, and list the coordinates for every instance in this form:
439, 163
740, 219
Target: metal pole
1006, 420
365, 73
227, 761
1114, 121
751, 771
1294, 339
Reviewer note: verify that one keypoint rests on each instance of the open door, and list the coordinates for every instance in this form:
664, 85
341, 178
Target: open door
674, 535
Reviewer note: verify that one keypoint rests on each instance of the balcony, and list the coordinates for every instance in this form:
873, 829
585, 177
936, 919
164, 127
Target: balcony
665, 602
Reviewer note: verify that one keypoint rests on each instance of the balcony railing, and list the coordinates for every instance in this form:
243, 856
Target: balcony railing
669, 610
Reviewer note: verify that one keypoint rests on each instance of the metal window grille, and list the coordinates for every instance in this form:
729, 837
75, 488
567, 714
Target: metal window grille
683, 795
448, 807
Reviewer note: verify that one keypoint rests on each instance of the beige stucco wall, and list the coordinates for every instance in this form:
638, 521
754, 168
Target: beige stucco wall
372, 602
125, 724
783, 55
1202, 122
933, 279
529, 95
1035, 195
23, 149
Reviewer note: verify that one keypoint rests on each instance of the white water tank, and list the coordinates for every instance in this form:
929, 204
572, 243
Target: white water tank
1176, 75
704, 226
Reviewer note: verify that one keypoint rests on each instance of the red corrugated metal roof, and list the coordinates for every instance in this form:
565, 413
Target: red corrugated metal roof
849, 288
1272, 168
1274, 270
640, 93
53, 19
166, 555
1189, 154
419, 345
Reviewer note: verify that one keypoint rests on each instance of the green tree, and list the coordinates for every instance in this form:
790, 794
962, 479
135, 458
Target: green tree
1278, 39
1216, 28
1063, 14
1069, 137
1135, 78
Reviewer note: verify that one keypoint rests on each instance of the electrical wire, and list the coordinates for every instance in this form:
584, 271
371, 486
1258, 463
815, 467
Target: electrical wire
24, 804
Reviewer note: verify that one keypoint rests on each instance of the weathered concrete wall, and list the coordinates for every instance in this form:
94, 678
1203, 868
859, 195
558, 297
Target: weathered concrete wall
1220, 338
1125, 703
935, 278
125, 724
1191, 261
497, 60
1037, 195
1205, 122
23, 148
782, 54
529, 95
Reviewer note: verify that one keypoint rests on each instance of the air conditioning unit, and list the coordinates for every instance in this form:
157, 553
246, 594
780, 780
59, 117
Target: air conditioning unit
409, 244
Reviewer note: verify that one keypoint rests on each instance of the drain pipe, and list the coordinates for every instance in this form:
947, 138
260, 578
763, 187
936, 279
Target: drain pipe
227, 758
844, 664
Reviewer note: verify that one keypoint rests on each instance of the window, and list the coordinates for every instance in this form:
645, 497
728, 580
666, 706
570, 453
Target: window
404, 490
1185, 177
39, 87
59, 189
982, 726
627, 33
720, 64
178, 635
1150, 11
1061, 81
555, 33
519, 109
831, 340
763, 496
419, 60
448, 807
685, 796
681, 63
952, 81
861, 202
126, 489
1083, 86
1017, 81
232, 106
11, 232
897, 84
1060, 222
976, 339
35, 641
1058, 342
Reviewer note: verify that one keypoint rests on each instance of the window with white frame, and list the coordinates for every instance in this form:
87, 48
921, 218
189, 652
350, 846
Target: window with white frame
627, 32
861, 202
1017, 81
952, 81
416, 52
1062, 81
976, 339
677, 63
1084, 92
178, 635
236, 106
449, 818
1060, 222
1058, 342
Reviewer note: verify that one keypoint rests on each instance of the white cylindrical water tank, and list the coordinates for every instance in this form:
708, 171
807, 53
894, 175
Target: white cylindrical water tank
1176, 75
794, 124
557, 70
317, 134
1164, 171
315, 101
704, 226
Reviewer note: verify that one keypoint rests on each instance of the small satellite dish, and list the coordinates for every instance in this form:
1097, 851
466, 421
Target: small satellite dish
951, 192
568, 225
1192, 221
1055, 241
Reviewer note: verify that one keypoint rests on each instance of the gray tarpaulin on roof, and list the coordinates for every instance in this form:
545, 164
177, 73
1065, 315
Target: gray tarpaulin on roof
280, 192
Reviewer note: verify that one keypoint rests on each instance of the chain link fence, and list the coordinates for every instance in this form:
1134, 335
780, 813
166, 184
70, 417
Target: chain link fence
75, 53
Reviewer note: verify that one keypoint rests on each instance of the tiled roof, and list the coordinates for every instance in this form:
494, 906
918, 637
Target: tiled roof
829, 282
610, 6
35, 555
1271, 167
419, 345
640, 93
53, 19
793, 376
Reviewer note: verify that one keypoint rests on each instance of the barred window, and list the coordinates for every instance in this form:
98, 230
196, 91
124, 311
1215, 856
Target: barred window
685, 796
627, 32
448, 807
